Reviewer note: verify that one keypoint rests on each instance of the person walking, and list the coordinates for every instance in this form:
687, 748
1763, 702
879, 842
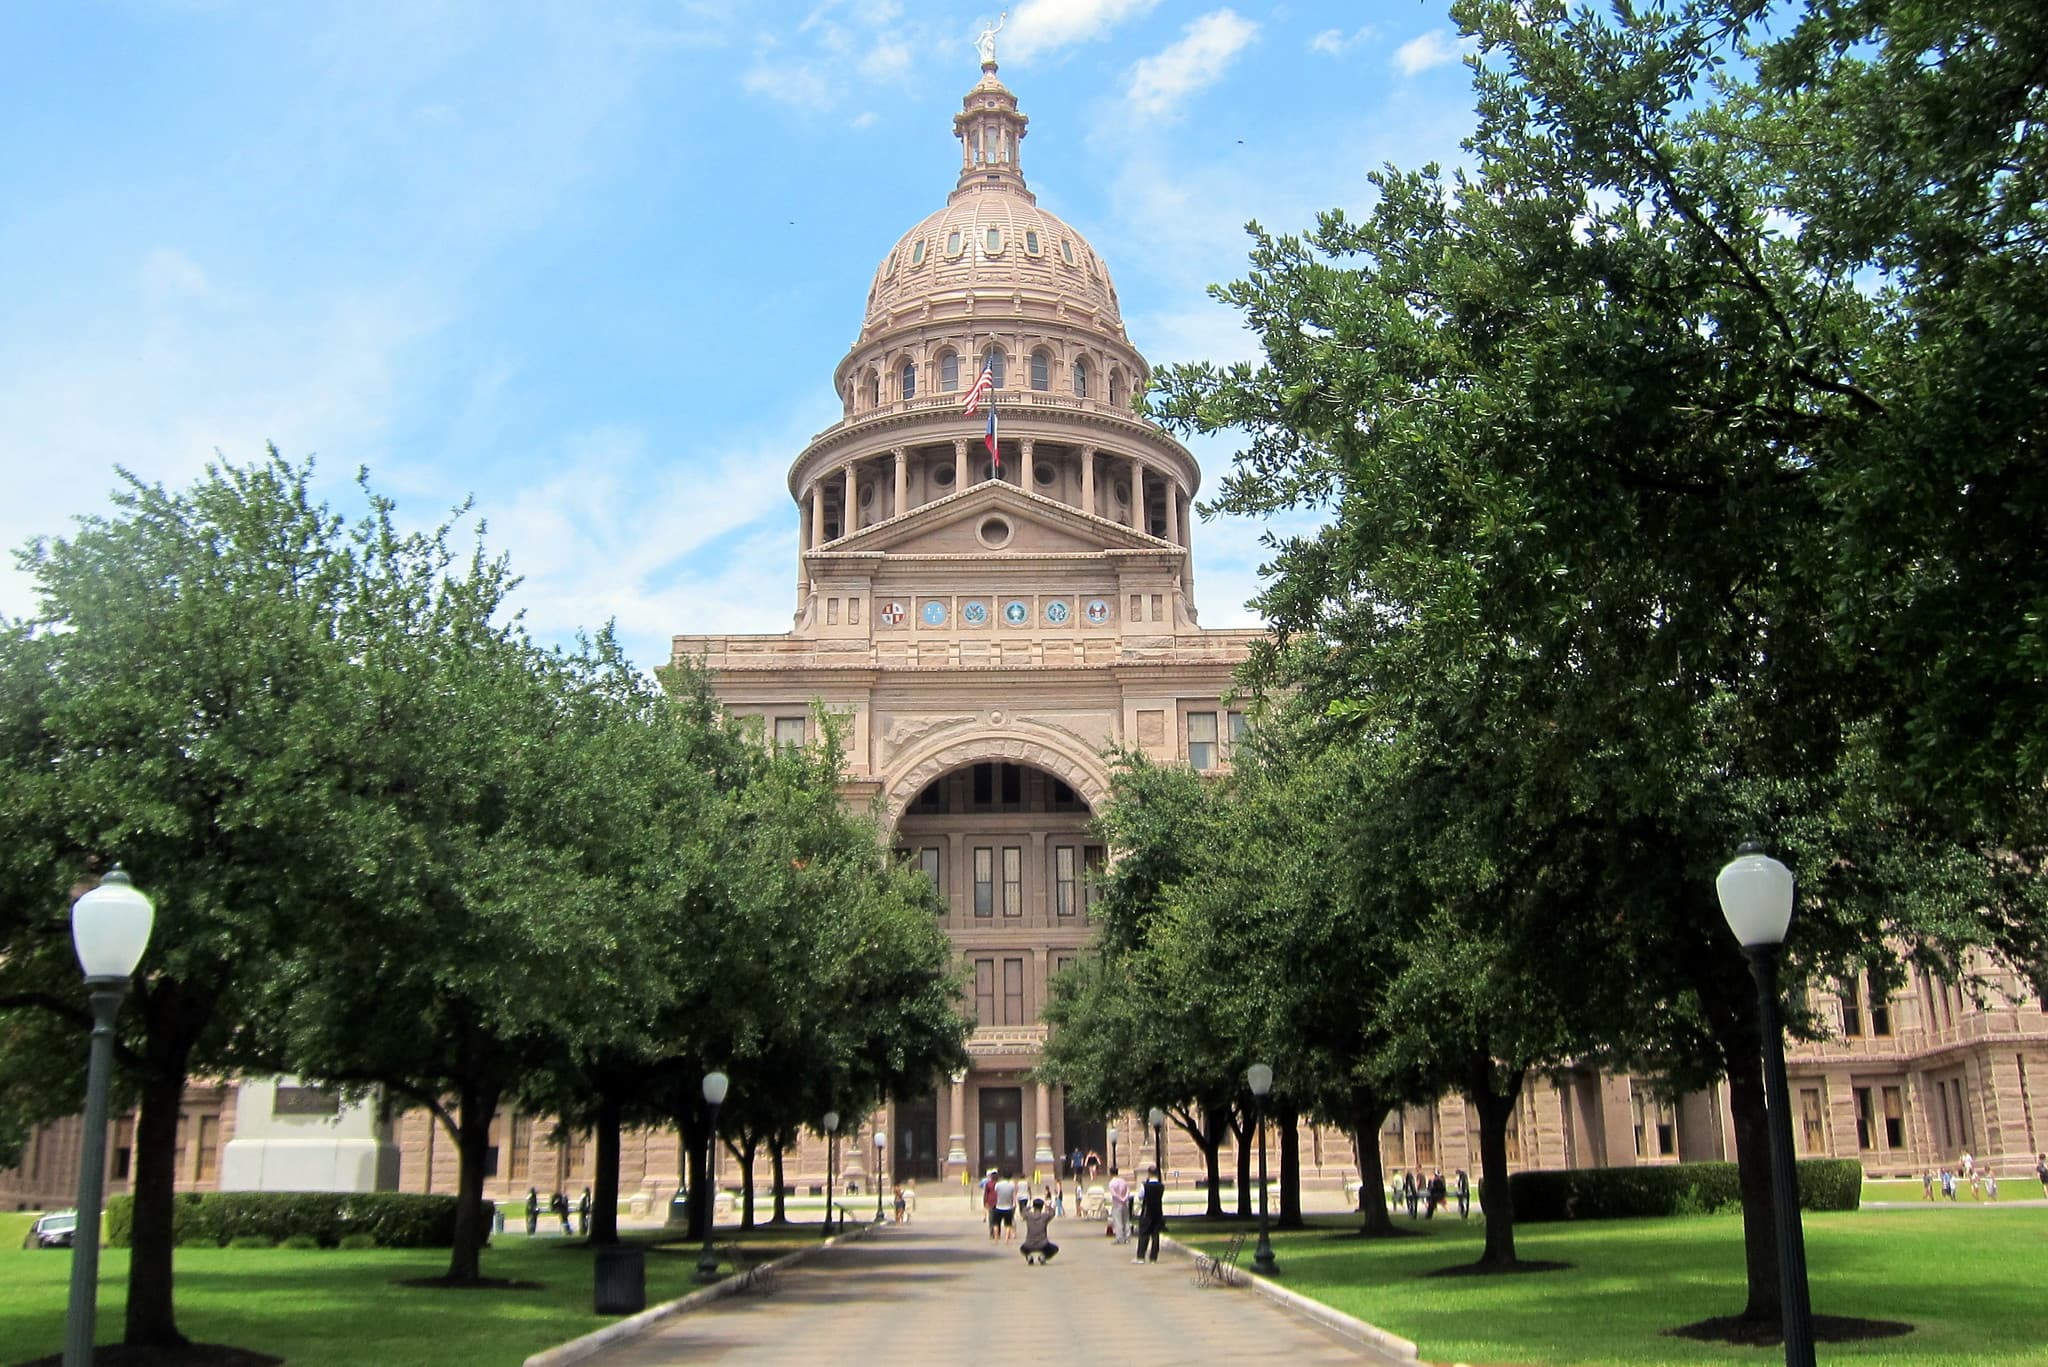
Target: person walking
533, 1210
1006, 1206
2041, 1171
558, 1205
1119, 1207
1464, 1195
988, 1201
583, 1213
1151, 1215
1036, 1248
902, 1206
1410, 1194
1439, 1194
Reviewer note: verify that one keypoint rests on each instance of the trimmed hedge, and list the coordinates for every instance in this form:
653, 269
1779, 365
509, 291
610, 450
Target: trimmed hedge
1671, 1189
215, 1219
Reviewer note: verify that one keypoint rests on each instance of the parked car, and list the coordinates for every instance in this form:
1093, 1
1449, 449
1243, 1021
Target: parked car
54, 1230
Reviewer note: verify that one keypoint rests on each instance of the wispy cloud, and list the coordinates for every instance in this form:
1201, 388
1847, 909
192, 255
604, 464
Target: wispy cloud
1434, 48
1041, 26
1334, 42
1160, 83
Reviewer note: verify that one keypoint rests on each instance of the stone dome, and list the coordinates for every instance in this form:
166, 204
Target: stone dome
991, 238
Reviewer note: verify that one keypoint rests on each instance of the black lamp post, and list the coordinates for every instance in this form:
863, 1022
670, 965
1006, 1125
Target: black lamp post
1756, 897
1260, 1078
1112, 1148
110, 928
1158, 1119
831, 1142
714, 1096
881, 1156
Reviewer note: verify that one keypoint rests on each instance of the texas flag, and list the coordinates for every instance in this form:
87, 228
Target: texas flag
995, 456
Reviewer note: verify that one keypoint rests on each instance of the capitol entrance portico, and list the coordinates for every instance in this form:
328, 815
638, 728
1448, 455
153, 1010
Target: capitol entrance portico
992, 606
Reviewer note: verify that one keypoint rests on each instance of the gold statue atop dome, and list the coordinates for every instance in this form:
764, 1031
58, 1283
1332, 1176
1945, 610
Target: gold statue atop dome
986, 43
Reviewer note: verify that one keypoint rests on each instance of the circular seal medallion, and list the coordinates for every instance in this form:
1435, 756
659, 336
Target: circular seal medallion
892, 614
1056, 612
933, 612
1016, 612
974, 612
1097, 611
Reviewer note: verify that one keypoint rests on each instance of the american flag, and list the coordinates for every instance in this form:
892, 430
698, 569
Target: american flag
984, 386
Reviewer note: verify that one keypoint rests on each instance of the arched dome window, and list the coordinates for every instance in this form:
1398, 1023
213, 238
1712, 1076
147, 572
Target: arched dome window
874, 390
1116, 388
1080, 379
1041, 371
949, 372
993, 360
909, 377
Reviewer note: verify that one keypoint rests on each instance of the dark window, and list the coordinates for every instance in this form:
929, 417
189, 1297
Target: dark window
932, 799
1080, 379
1880, 1016
949, 372
1863, 1118
491, 1161
1852, 1008
1064, 872
984, 785
984, 881
1894, 1118
1041, 371
909, 380
1013, 880
1013, 784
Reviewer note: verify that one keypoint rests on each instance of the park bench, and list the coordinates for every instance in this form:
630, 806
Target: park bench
1222, 1269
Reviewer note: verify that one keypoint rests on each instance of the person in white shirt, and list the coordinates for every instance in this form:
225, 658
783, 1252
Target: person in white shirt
1006, 1206
1119, 1206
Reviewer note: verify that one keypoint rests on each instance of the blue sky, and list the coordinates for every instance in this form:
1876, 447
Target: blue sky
593, 263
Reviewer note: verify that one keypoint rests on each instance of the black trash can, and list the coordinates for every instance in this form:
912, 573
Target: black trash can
620, 1281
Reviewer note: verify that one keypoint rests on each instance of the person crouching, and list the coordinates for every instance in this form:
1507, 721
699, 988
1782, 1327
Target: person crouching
1036, 1248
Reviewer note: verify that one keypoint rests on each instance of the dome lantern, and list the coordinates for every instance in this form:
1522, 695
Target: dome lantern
990, 130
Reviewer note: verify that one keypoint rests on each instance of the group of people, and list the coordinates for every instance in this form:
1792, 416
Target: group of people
906, 1202
1981, 1180
1005, 1200
1432, 1192
558, 1205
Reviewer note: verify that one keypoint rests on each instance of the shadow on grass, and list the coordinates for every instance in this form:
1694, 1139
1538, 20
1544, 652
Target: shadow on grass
1747, 1333
446, 1283
1514, 1268
191, 1355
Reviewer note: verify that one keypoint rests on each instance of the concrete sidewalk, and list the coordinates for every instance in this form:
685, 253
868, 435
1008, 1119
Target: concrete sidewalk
937, 1291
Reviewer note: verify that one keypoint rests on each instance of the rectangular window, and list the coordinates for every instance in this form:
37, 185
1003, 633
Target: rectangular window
1880, 1016
1202, 740
984, 991
1852, 1008
1667, 1129
984, 785
984, 881
928, 864
1013, 785
1062, 962
789, 733
1063, 902
1092, 857
1863, 1118
1894, 1118
1013, 992
831, 612
1013, 880
209, 1148
491, 1161
124, 1148
949, 371
1234, 728
1812, 1123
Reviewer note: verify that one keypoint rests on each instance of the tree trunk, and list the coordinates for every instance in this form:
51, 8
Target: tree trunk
472, 1146
1287, 1120
1372, 1176
776, 1147
604, 1201
696, 1159
151, 1318
1208, 1138
744, 1154
1493, 1092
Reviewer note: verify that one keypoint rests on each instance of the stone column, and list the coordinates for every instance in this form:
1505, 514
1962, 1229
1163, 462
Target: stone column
1137, 493
1024, 463
1088, 480
900, 505
1042, 1140
959, 465
956, 1136
818, 514
1172, 511
849, 520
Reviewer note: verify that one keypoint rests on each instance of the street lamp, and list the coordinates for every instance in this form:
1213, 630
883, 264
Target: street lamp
1112, 1148
1158, 1119
714, 1096
1756, 897
110, 928
831, 1141
1260, 1077
881, 1155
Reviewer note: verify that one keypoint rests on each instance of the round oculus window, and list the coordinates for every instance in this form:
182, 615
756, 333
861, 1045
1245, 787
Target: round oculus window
995, 532
1043, 474
943, 476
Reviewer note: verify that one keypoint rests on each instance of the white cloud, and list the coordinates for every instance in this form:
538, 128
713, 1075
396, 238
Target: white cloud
1041, 26
1160, 82
888, 60
800, 84
1433, 48
867, 118
1333, 42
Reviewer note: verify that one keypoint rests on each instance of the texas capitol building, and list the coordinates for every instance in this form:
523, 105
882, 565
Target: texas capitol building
989, 630
990, 620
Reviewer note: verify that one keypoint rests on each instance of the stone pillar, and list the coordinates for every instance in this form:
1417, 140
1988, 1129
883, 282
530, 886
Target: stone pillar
806, 531
1088, 480
956, 1134
959, 465
1172, 511
1024, 463
849, 520
900, 505
1042, 1141
818, 514
1137, 493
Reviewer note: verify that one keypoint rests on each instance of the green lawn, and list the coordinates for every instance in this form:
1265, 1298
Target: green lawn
328, 1307
1968, 1279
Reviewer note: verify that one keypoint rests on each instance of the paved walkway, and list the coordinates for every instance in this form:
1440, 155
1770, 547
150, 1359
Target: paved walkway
937, 1291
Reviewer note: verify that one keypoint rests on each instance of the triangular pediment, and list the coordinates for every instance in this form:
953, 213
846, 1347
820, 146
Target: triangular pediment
961, 524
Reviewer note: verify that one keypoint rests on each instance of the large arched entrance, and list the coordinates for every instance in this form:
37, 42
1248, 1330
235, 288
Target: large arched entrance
1007, 846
